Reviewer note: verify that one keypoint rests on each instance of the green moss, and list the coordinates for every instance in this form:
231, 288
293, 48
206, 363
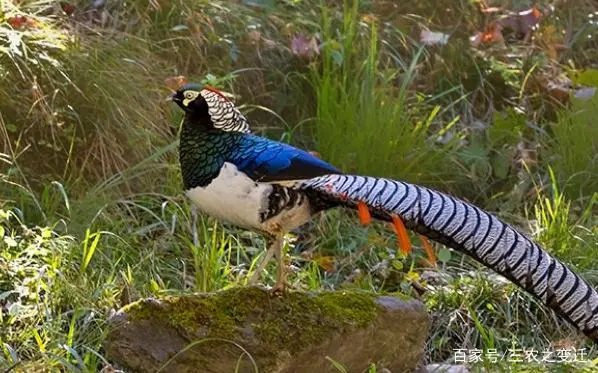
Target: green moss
306, 321
357, 308
137, 310
288, 323
402, 296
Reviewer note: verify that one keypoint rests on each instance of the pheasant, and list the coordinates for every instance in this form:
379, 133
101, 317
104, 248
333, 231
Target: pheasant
271, 187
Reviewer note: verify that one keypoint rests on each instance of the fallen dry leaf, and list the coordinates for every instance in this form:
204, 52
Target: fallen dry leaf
559, 89
551, 84
476, 40
304, 47
522, 23
551, 40
326, 262
526, 155
17, 21
369, 18
493, 34
254, 36
491, 10
67, 8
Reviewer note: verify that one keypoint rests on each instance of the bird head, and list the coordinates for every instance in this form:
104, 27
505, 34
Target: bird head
210, 106
189, 98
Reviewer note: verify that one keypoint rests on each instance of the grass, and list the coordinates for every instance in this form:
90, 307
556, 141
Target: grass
357, 92
92, 217
572, 148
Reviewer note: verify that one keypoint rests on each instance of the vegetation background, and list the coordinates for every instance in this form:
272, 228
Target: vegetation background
491, 101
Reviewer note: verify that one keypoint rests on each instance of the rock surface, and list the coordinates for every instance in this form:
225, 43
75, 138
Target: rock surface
249, 328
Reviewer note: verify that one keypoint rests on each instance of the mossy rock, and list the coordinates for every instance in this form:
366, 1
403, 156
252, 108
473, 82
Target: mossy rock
246, 329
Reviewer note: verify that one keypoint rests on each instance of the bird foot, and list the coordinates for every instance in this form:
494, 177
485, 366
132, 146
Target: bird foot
281, 286
279, 289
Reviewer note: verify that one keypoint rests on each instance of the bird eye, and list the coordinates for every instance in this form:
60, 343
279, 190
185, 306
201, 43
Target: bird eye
189, 95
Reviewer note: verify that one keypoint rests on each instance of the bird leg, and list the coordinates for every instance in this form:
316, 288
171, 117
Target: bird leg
281, 270
274, 247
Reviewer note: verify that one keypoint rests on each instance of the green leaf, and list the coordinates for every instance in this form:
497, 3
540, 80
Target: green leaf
588, 77
337, 57
507, 127
339, 367
16, 309
40, 342
474, 153
444, 255
11, 127
154, 286
397, 264
500, 165
10, 242
89, 249
46, 233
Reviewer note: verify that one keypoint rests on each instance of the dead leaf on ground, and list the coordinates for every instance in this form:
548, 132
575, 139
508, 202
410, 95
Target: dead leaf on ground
67, 8
254, 36
526, 155
476, 40
522, 23
22, 22
304, 47
17, 21
493, 9
324, 261
492, 35
559, 88
551, 40
552, 84
369, 18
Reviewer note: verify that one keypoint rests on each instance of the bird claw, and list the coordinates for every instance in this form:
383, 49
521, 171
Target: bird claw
281, 286
279, 289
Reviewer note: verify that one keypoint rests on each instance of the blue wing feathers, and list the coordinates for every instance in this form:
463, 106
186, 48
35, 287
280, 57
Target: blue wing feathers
266, 160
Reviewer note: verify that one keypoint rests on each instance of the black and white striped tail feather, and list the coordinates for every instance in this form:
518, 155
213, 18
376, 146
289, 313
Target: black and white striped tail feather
473, 231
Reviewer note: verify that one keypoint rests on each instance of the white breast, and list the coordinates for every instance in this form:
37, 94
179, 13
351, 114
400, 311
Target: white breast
232, 197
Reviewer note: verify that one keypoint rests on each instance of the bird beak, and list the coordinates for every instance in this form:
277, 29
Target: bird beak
170, 97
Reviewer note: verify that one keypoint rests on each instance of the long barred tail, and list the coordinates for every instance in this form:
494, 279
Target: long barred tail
466, 228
